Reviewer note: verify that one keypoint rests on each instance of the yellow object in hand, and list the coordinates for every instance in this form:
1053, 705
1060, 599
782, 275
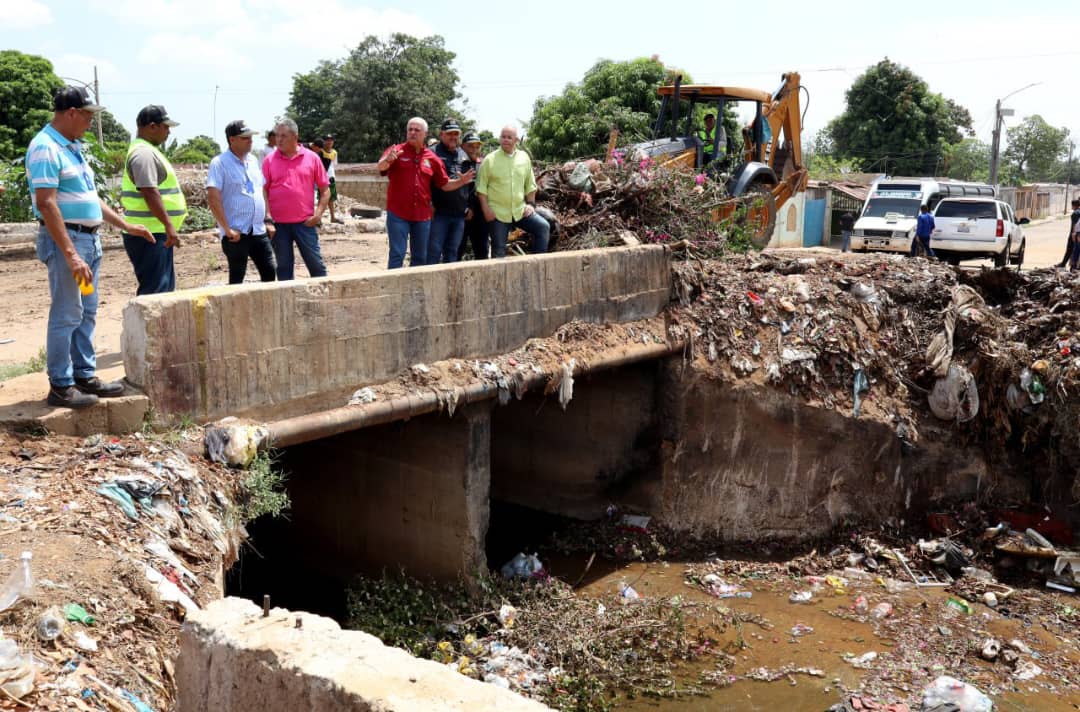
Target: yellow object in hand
85, 288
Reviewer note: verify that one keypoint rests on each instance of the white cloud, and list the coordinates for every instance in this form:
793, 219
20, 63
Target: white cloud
194, 51
26, 14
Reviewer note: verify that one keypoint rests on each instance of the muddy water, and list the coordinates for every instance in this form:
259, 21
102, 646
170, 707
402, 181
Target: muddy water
823, 649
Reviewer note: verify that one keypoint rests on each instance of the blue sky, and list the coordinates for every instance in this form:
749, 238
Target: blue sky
246, 51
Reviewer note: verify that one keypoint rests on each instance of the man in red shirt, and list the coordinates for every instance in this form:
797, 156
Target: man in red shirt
413, 169
290, 173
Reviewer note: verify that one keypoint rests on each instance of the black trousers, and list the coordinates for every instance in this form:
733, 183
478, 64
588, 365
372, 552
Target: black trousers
476, 234
258, 248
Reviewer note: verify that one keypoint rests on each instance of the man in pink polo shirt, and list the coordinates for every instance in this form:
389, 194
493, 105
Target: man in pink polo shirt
413, 169
291, 172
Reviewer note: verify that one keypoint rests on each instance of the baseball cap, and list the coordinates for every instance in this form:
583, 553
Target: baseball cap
328, 137
69, 97
450, 125
238, 128
471, 138
154, 114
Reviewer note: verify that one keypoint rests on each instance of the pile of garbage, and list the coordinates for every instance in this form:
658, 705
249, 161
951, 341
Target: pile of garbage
106, 544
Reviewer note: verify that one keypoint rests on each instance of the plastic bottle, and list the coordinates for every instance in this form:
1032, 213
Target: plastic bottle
19, 584
51, 624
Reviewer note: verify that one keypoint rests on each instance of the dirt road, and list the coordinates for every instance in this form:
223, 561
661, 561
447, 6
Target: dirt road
24, 287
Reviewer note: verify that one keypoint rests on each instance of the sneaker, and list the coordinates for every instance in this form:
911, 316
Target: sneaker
70, 397
95, 386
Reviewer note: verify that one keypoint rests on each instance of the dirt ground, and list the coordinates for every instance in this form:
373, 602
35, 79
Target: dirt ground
24, 286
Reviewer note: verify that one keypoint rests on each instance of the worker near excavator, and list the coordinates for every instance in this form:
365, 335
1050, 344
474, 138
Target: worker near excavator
708, 139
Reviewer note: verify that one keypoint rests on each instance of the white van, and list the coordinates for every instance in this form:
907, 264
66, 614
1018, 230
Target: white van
887, 221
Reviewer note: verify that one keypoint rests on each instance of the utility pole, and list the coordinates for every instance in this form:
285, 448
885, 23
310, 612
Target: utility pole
1068, 179
213, 112
97, 117
999, 114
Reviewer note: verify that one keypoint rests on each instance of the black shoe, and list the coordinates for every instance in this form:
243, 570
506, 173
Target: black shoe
70, 397
95, 386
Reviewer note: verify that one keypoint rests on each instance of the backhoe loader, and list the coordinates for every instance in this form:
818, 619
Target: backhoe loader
761, 174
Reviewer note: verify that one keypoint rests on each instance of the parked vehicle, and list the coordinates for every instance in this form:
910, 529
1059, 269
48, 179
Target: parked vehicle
976, 228
888, 217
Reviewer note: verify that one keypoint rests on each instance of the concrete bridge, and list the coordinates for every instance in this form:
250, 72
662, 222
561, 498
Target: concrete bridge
407, 480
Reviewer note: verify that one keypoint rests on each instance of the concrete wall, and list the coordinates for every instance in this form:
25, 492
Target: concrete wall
370, 190
248, 349
231, 658
411, 494
572, 462
754, 464
789, 222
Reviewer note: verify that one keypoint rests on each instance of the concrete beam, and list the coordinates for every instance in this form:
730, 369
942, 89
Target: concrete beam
231, 658
250, 349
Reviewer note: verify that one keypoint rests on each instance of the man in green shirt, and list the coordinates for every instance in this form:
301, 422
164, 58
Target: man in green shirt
506, 188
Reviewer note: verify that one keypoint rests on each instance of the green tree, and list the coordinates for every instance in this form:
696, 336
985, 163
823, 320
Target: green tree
893, 121
578, 122
1035, 152
199, 150
112, 130
967, 160
366, 98
27, 84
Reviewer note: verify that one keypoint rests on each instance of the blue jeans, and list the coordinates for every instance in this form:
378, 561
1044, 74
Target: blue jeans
445, 239
845, 240
307, 241
924, 240
153, 263
69, 340
535, 225
414, 233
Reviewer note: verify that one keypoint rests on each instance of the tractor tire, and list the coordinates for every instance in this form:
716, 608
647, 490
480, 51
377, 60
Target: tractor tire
760, 217
1002, 258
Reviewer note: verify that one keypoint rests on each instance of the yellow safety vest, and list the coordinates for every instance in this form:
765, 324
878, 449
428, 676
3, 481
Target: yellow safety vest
136, 211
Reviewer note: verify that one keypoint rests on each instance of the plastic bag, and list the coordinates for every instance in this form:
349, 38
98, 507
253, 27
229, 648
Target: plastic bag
947, 689
521, 566
955, 397
16, 670
19, 585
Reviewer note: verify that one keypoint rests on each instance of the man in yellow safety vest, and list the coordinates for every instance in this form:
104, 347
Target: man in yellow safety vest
151, 196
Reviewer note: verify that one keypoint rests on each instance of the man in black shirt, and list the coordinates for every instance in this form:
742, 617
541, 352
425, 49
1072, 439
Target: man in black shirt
1070, 244
448, 223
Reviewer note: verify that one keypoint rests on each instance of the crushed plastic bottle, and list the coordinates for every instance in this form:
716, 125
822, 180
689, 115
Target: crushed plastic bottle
20, 583
51, 624
18, 669
627, 592
881, 610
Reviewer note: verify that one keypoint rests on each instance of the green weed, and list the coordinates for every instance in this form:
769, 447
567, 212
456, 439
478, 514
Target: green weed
34, 365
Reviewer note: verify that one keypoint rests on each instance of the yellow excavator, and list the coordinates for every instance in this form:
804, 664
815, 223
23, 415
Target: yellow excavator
763, 173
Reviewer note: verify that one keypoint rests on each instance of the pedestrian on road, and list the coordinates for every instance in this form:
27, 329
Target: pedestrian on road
234, 191
413, 169
1074, 258
448, 225
847, 224
924, 227
270, 147
507, 189
292, 173
330, 161
151, 196
1069, 245
69, 212
476, 227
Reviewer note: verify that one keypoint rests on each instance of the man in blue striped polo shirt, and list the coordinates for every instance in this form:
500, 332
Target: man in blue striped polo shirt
67, 206
234, 192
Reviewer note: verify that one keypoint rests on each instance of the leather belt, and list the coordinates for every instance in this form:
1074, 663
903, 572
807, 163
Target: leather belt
77, 227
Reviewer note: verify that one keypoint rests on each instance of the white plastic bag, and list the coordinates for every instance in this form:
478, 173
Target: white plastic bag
955, 397
949, 689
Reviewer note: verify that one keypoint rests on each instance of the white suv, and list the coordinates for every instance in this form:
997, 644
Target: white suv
975, 228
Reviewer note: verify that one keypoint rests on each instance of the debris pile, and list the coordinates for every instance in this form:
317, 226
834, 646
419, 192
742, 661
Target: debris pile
122, 537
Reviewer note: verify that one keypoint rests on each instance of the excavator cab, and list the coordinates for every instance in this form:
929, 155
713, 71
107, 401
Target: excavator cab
767, 165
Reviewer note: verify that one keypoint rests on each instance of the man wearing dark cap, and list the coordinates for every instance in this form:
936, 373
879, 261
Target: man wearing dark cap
69, 211
234, 192
151, 196
448, 223
476, 228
